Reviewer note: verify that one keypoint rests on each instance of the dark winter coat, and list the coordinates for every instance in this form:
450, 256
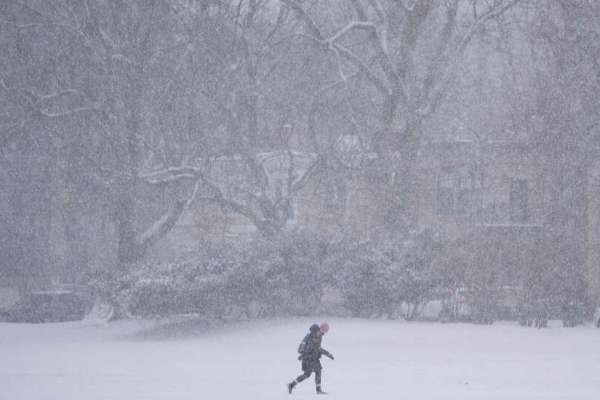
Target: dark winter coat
310, 352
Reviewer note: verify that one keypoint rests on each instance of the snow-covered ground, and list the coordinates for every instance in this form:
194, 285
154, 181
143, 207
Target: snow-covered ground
374, 360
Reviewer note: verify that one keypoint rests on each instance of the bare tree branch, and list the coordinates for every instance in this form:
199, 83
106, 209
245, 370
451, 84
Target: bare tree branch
70, 112
494, 12
356, 60
361, 25
438, 92
309, 22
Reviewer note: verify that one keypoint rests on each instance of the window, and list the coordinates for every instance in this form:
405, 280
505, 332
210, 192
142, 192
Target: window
519, 198
454, 191
293, 210
445, 193
335, 197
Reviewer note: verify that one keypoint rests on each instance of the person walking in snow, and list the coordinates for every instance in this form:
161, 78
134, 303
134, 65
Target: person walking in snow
310, 353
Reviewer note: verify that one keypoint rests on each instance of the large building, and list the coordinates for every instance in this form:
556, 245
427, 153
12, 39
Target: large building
495, 196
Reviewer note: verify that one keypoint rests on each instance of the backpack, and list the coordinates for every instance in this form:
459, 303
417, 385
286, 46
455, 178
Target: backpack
302, 346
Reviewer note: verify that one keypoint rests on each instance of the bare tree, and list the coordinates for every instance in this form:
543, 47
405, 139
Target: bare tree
237, 78
399, 58
155, 98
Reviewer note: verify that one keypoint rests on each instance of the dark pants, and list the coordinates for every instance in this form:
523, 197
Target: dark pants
307, 375
310, 366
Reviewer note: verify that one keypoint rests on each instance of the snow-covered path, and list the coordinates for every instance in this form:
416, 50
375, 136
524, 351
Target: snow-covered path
374, 359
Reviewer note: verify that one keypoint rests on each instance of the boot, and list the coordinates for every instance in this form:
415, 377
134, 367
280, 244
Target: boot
319, 390
290, 386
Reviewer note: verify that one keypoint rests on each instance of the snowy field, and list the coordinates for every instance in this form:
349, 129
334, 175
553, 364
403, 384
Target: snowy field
374, 360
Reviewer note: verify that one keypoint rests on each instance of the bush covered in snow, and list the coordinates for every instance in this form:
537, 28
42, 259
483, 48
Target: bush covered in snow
288, 276
392, 276
258, 279
389, 276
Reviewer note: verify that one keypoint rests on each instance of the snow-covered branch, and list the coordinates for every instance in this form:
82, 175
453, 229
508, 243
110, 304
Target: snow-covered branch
61, 93
352, 57
407, 8
308, 21
380, 46
362, 25
171, 174
310, 172
162, 226
383, 24
369, 73
438, 89
378, 10
29, 25
490, 14
49, 114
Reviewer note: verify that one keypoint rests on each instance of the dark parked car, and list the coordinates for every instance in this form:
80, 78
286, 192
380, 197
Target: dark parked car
57, 304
